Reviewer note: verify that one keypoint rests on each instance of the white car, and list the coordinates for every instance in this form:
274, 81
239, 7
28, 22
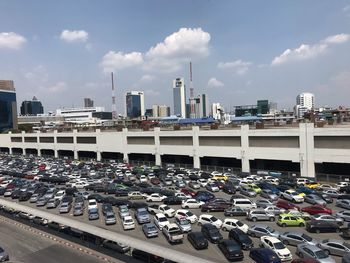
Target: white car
203, 182
277, 246
192, 203
160, 220
231, 223
293, 196
60, 194
182, 196
143, 179
166, 210
92, 204
155, 197
209, 219
128, 223
182, 213
341, 184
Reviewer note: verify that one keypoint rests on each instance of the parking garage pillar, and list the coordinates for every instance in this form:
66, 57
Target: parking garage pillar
245, 148
55, 153
76, 157
98, 156
125, 158
196, 162
10, 151
306, 150
39, 152
24, 151
158, 159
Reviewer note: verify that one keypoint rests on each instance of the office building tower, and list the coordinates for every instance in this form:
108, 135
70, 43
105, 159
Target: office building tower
8, 106
135, 104
179, 93
204, 105
305, 102
263, 107
217, 111
155, 111
32, 107
160, 111
88, 103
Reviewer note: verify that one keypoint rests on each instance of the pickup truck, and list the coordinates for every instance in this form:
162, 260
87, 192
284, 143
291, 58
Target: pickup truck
166, 210
173, 233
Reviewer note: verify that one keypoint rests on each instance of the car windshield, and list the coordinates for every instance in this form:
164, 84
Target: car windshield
321, 254
294, 193
151, 228
163, 219
279, 245
213, 231
124, 209
213, 219
166, 208
306, 237
270, 229
110, 216
128, 221
189, 213
184, 222
239, 223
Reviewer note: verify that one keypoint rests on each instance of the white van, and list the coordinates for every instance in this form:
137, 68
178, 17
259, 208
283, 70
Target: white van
244, 203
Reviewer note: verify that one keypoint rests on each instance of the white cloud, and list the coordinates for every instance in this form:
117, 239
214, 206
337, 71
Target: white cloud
147, 78
214, 83
239, 66
56, 88
74, 36
346, 10
305, 51
113, 61
11, 40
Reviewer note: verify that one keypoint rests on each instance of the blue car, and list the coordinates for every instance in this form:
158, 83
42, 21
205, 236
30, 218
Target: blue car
305, 190
271, 187
264, 255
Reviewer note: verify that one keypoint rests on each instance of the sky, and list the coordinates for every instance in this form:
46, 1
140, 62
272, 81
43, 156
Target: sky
241, 51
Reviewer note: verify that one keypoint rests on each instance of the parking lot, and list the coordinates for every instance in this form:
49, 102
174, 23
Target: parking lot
212, 253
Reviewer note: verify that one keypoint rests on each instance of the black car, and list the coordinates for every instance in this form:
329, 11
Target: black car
16, 193
99, 198
146, 257
24, 196
231, 250
2, 190
198, 240
263, 255
121, 192
235, 211
110, 200
211, 233
120, 248
172, 200
67, 199
106, 207
241, 238
229, 189
322, 226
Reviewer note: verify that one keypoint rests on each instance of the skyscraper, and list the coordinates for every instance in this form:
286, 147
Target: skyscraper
205, 105
88, 103
305, 103
32, 107
8, 106
179, 93
135, 104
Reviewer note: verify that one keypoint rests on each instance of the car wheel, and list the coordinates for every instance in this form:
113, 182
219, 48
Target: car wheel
318, 231
252, 234
301, 255
186, 207
272, 219
327, 252
224, 228
285, 242
254, 219
301, 224
284, 225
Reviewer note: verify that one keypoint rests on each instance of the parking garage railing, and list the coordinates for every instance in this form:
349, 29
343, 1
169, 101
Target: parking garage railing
161, 251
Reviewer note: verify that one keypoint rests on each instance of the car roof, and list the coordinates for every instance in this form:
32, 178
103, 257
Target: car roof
272, 239
313, 248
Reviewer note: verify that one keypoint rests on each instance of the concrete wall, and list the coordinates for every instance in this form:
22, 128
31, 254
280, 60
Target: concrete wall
304, 144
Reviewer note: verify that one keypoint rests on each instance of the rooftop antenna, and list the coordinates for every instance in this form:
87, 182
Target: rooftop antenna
192, 101
114, 107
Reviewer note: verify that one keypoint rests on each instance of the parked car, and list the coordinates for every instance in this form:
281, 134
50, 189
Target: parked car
150, 230
172, 200
110, 218
345, 215
247, 192
160, 220
205, 218
173, 233
296, 238
269, 194
313, 252
78, 210
146, 257
287, 205
93, 214
277, 246
142, 215
322, 226
123, 211
262, 203
231, 250
52, 203
261, 215
317, 209
4, 256
262, 230
290, 220
184, 224
231, 223
263, 255
211, 233
115, 246
241, 238
65, 208
182, 213
334, 247
293, 196
235, 211
198, 240
212, 187
344, 203
128, 223
328, 218
192, 203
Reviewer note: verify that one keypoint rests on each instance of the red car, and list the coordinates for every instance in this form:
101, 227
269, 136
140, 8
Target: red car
155, 181
188, 192
316, 209
286, 205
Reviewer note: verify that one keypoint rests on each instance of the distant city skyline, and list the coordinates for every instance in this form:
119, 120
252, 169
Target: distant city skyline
241, 51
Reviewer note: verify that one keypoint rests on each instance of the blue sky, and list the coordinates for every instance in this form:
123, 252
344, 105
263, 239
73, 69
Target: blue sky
63, 51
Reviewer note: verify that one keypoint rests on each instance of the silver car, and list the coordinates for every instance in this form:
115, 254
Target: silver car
78, 210
260, 214
34, 198
52, 203
123, 211
4, 256
344, 215
184, 224
296, 238
110, 218
247, 192
313, 252
344, 203
65, 207
150, 230
314, 199
272, 209
268, 194
331, 193
263, 203
262, 230
41, 201
335, 247
329, 218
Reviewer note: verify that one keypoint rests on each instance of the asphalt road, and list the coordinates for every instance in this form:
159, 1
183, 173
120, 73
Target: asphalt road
212, 253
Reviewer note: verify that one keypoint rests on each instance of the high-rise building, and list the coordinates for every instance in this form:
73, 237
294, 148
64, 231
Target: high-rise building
8, 106
263, 106
179, 93
135, 104
160, 111
305, 103
155, 110
88, 103
32, 107
205, 105
217, 111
